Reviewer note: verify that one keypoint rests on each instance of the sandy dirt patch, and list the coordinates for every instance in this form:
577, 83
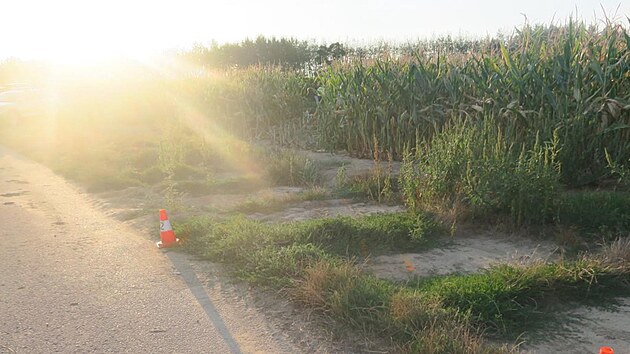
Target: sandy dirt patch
330, 164
588, 328
316, 209
462, 254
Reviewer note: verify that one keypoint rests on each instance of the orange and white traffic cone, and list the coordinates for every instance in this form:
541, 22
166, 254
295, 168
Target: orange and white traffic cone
167, 236
606, 350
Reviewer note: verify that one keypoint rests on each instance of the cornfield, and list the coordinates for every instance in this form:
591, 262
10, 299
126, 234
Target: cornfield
570, 81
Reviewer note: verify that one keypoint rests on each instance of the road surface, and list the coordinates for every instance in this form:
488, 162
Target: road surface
74, 280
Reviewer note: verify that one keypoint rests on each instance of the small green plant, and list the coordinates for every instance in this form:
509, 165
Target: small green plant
341, 178
170, 155
281, 266
314, 193
378, 185
619, 170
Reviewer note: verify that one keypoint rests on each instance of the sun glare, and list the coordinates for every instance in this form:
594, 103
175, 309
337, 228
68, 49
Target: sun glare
78, 31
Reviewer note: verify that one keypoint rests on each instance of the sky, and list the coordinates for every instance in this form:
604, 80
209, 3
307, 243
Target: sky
88, 29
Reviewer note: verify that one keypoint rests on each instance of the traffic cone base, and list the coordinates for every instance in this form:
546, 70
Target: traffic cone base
161, 244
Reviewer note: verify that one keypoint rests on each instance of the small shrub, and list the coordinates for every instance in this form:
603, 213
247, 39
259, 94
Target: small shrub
195, 188
344, 292
621, 171
617, 253
269, 205
143, 157
183, 172
314, 193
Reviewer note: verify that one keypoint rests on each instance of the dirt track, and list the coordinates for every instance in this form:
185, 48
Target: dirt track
73, 280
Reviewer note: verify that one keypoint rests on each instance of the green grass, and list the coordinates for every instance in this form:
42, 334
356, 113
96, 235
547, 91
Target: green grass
476, 167
309, 260
236, 238
509, 300
312, 262
596, 211
377, 185
237, 185
268, 205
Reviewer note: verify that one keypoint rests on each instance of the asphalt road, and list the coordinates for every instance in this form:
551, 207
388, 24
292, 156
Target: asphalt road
74, 280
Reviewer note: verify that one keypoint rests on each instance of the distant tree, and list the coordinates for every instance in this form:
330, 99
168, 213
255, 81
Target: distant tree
327, 54
288, 52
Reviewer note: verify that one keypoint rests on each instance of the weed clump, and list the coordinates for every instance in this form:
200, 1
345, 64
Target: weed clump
378, 185
281, 266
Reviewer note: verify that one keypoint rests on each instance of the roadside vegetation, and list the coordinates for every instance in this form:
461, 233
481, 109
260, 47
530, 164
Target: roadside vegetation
318, 263
529, 131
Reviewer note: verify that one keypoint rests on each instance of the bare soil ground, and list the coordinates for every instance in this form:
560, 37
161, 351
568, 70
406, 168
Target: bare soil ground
353, 167
585, 329
316, 209
463, 253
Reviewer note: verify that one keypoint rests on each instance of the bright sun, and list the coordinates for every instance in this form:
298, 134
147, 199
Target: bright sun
73, 31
